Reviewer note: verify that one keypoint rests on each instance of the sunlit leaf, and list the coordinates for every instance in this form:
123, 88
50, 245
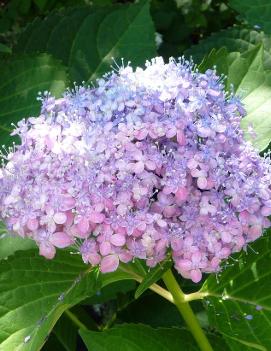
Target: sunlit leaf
239, 302
93, 37
234, 39
34, 292
21, 79
252, 83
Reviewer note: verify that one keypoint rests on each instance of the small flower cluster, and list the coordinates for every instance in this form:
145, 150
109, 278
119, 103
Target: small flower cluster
147, 162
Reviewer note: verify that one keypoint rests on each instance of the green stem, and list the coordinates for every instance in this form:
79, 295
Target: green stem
186, 311
75, 320
195, 296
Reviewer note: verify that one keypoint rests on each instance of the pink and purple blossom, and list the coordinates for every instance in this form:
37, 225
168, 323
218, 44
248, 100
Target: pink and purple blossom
147, 162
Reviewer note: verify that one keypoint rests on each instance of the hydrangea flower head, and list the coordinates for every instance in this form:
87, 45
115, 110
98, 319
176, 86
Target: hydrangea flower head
145, 163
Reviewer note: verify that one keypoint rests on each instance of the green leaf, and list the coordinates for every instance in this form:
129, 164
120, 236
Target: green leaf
256, 13
5, 49
255, 91
93, 37
10, 243
235, 39
35, 36
135, 337
34, 292
20, 81
252, 83
221, 59
239, 303
127, 32
152, 277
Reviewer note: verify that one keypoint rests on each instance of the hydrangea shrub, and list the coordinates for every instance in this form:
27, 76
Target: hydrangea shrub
156, 173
